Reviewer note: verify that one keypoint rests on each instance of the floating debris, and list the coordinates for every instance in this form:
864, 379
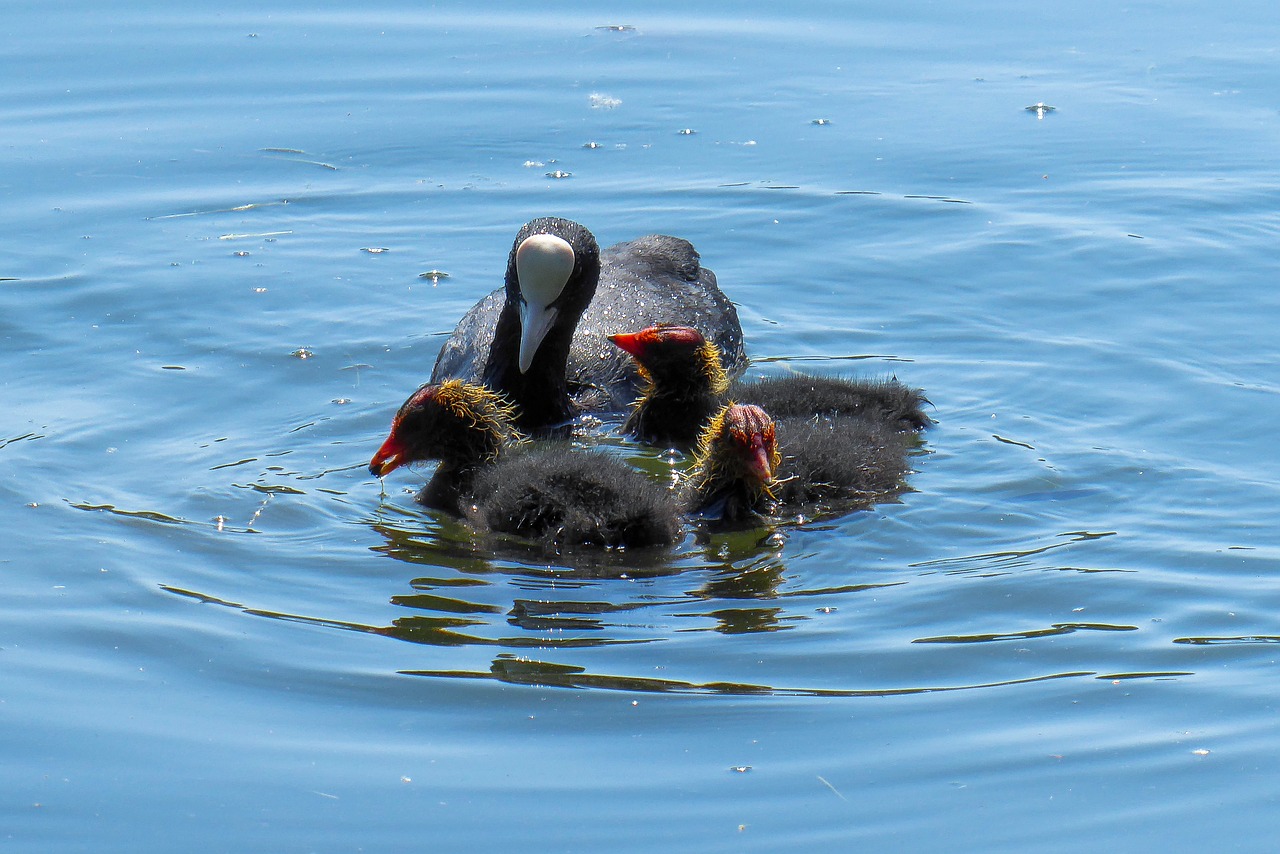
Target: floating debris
559, 173
374, 250
434, 275
823, 781
296, 151
1040, 108
302, 353
248, 236
603, 102
235, 209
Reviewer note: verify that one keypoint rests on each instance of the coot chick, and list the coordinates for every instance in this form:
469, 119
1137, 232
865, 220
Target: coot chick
464, 426
652, 280
734, 468
682, 384
747, 466
564, 498
552, 495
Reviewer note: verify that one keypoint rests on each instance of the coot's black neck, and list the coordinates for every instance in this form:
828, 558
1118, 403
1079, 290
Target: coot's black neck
540, 393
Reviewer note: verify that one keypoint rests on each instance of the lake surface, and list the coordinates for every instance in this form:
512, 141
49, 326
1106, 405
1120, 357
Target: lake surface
218, 633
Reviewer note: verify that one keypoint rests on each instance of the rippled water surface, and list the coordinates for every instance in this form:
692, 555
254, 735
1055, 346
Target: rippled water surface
234, 238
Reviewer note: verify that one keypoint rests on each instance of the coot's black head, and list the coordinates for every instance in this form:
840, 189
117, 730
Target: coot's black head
675, 358
552, 274
456, 422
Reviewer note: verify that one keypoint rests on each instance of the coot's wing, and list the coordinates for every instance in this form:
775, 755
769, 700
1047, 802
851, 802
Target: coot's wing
655, 279
463, 355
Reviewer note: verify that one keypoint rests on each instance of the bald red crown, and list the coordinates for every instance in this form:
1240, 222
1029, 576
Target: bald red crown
654, 339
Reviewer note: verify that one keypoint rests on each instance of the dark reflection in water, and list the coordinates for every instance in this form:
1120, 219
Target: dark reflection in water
741, 621
575, 625
1002, 563
149, 515
519, 671
434, 630
1243, 640
1056, 629
471, 590
25, 437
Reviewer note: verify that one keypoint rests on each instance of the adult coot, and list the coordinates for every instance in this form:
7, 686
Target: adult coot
542, 341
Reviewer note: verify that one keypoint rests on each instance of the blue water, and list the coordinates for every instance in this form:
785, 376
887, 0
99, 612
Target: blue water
216, 632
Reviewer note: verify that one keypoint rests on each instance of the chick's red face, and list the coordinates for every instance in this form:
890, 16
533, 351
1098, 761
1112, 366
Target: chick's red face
752, 433
394, 451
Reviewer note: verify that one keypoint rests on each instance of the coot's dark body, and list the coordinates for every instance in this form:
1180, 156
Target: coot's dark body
653, 280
